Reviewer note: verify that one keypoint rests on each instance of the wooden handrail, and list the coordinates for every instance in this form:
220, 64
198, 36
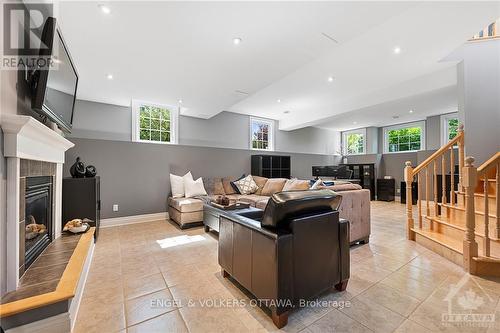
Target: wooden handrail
494, 160
440, 151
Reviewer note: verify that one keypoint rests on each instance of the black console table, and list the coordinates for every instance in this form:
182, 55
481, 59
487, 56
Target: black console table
386, 189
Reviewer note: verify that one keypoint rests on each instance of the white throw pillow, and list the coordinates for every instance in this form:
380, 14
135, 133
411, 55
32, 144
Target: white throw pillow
247, 185
177, 184
194, 188
317, 184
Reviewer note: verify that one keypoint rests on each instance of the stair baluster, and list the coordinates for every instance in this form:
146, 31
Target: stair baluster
470, 249
452, 175
486, 242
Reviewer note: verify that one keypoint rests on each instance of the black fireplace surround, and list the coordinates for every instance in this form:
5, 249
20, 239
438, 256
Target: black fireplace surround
39, 224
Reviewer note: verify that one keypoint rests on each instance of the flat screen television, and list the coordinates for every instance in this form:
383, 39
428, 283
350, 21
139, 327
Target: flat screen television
54, 87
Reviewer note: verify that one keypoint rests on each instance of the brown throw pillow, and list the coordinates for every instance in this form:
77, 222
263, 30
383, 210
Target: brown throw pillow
296, 185
214, 186
226, 183
273, 185
260, 181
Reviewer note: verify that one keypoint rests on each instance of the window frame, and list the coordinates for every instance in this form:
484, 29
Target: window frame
386, 130
445, 127
270, 134
361, 131
174, 122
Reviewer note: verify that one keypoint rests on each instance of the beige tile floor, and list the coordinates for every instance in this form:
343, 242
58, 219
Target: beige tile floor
135, 285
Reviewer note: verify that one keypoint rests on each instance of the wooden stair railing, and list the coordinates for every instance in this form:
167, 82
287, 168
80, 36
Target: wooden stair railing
424, 170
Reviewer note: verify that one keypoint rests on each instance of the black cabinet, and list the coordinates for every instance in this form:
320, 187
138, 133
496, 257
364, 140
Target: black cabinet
414, 193
386, 189
81, 198
271, 166
366, 174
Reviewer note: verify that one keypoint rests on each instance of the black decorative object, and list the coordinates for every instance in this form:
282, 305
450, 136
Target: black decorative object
90, 171
77, 170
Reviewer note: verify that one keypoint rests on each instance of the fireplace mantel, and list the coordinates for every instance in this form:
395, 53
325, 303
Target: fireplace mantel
25, 137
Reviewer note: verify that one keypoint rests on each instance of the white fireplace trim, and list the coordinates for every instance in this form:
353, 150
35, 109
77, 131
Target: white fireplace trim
27, 138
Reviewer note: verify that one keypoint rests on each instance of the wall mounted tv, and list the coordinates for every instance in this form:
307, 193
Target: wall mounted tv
54, 87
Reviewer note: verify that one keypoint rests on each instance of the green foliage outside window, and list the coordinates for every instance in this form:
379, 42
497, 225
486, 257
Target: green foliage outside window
154, 123
260, 135
452, 128
355, 143
405, 139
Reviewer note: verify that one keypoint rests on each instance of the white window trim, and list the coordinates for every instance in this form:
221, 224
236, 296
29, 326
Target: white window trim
361, 131
174, 122
386, 130
270, 144
445, 130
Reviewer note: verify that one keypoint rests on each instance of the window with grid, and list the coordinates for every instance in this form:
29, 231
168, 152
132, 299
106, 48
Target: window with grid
404, 138
354, 142
452, 128
154, 122
261, 134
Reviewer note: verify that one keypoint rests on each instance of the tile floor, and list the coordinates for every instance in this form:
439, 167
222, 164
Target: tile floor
143, 277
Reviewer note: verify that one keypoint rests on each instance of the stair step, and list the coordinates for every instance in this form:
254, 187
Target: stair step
462, 209
487, 266
443, 220
476, 194
447, 241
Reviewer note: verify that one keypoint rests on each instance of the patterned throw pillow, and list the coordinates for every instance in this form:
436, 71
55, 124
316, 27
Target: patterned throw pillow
246, 185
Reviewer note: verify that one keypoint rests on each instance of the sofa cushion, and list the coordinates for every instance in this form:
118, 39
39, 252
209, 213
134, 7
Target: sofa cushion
246, 185
214, 186
261, 204
186, 205
296, 185
234, 196
273, 185
342, 187
194, 188
226, 183
260, 181
252, 199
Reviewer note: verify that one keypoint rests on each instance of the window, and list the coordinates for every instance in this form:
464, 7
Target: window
154, 122
404, 138
354, 142
449, 127
261, 134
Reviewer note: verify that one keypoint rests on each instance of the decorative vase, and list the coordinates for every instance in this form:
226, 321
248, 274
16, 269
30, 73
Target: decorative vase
77, 170
90, 171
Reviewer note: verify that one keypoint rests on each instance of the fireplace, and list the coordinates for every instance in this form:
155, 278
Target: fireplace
38, 217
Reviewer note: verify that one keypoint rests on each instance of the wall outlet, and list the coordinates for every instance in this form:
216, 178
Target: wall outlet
115, 208
398, 191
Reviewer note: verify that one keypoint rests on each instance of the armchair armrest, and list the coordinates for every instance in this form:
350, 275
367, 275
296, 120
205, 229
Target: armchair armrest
250, 223
255, 214
344, 249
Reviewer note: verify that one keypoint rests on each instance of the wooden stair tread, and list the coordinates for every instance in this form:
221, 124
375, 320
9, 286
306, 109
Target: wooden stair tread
447, 241
487, 259
476, 194
478, 212
445, 221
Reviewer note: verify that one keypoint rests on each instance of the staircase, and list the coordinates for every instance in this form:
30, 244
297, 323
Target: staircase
465, 230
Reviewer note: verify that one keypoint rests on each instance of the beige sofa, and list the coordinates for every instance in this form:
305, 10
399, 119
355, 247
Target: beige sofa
355, 207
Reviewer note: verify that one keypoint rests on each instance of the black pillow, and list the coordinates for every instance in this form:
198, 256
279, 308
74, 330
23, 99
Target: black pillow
236, 189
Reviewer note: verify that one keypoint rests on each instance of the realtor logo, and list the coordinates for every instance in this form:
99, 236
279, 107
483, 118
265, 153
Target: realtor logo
467, 308
22, 34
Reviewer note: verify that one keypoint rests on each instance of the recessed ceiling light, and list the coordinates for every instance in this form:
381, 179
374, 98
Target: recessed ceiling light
180, 101
397, 50
105, 9
286, 112
330, 79
109, 76
411, 111
237, 41
354, 122
279, 101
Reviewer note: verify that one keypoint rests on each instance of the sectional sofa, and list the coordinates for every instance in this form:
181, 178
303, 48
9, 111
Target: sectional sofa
355, 206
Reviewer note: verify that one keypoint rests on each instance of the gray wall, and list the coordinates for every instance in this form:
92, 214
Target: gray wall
3, 219
226, 130
136, 175
479, 76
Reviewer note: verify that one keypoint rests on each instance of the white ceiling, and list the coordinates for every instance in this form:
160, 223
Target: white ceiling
166, 51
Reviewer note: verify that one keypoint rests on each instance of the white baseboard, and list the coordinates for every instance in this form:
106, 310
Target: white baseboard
115, 221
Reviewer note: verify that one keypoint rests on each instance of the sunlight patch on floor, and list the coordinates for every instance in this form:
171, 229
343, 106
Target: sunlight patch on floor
179, 240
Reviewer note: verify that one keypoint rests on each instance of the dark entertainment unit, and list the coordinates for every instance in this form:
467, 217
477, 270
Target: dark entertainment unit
271, 166
81, 198
366, 173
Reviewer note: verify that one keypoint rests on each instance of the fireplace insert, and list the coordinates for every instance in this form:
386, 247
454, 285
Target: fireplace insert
38, 218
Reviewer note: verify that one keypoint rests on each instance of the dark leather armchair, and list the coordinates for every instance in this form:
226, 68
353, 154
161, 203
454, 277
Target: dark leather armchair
296, 249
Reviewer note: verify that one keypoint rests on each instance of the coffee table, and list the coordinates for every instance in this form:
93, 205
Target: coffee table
211, 215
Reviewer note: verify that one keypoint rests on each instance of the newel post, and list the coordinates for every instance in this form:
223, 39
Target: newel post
469, 184
410, 234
